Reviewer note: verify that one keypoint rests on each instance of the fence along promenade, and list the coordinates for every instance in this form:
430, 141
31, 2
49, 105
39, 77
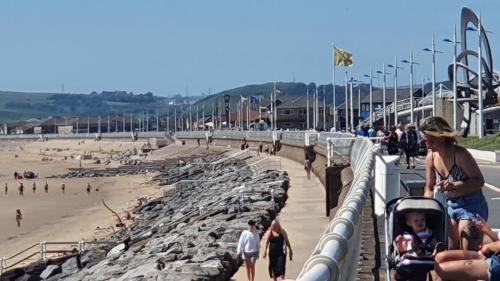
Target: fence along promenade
336, 254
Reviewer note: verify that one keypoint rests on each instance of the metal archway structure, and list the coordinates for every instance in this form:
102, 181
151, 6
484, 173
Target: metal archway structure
467, 88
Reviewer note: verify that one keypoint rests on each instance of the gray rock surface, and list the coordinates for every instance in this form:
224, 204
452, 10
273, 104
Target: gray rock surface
189, 234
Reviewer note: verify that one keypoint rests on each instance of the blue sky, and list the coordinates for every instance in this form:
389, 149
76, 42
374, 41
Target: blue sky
168, 46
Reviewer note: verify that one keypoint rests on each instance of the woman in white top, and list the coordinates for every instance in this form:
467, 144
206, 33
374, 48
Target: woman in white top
249, 246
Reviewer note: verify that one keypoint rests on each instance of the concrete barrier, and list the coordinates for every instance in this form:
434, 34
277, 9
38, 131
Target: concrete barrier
491, 156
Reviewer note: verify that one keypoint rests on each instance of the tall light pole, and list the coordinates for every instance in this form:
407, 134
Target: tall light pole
395, 102
371, 96
346, 103
455, 95
411, 62
479, 30
480, 80
383, 94
425, 79
433, 51
307, 105
333, 90
352, 105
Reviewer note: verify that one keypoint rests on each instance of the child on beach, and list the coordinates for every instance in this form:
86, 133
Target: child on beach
418, 241
19, 217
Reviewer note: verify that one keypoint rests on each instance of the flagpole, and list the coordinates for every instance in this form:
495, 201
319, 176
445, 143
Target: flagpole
333, 91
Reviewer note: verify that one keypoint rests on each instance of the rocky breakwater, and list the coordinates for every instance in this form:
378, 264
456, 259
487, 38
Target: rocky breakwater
189, 234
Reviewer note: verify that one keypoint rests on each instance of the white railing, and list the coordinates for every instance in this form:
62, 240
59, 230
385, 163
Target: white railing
41, 250
336, 255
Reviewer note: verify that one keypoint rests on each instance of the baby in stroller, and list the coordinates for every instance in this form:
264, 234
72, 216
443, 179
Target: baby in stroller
418, 241
415, 232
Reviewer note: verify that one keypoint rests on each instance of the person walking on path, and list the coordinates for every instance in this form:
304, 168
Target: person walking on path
6, 189
308, 168
411, 149
452, 172
46, 187
248, 247
276, 242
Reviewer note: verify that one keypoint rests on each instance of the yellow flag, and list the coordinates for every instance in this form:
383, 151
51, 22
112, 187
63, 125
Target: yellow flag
342, 57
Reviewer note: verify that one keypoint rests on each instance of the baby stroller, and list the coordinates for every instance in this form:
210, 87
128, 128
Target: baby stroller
412, 268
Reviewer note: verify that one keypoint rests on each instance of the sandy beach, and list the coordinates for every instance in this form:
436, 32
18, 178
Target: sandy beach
73, 215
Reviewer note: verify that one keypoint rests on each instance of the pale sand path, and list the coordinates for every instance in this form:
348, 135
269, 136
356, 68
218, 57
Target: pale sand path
304, 219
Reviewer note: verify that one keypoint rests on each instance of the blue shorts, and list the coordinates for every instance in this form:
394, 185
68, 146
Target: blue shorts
493, 268
466, 207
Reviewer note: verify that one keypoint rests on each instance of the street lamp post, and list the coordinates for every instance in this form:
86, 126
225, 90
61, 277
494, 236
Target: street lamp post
433, 51
480, 81
371, 97
395, 102
455, 95
411, 62
422, 99
383, 94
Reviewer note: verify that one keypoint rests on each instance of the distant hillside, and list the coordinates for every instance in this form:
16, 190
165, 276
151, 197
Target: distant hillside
285, 88
22, 106
18, 105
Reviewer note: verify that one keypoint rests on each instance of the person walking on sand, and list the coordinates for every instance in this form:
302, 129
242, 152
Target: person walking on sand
21, 189
277, 242
63, 187
248, 247
19, 217
88, 188
46, 187
34, 187
6, 189
308, 168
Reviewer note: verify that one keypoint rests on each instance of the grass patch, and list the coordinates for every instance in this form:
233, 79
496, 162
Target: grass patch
489, 143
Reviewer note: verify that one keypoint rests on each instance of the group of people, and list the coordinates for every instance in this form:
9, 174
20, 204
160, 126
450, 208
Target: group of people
276, 247
454, 177
398, 140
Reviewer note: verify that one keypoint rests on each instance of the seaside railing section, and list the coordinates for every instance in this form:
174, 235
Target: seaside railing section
336, 254
41, 250
117, 135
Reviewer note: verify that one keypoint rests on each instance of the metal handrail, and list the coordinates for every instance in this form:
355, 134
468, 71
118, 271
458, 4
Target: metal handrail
42, 251
336, 255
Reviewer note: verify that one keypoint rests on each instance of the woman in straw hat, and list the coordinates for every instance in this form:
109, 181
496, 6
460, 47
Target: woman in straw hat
452, 171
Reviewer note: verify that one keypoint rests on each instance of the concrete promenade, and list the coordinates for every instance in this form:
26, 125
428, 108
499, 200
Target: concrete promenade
304, 219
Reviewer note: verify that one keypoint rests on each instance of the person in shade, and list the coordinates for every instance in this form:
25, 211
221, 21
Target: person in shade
277, 242
248, 247
452, 173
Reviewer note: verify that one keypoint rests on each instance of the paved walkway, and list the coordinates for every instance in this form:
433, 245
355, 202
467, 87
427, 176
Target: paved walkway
304, 219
